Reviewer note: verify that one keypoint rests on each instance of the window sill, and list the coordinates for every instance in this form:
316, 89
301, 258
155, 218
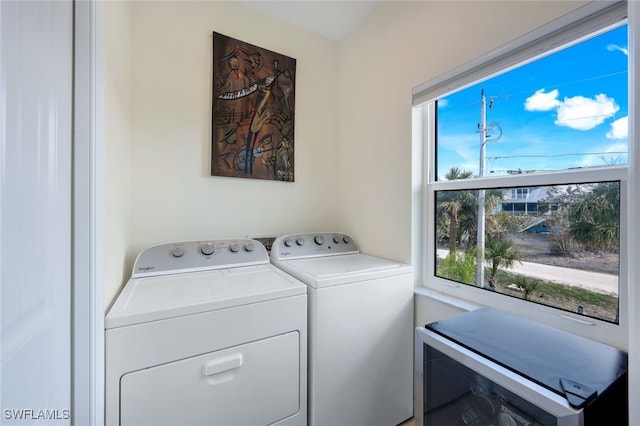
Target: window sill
446, 299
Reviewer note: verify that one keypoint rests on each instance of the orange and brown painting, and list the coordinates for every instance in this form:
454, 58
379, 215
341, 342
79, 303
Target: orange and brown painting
253, 111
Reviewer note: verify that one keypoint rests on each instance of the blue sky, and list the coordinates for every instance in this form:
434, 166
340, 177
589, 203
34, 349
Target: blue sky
566, 110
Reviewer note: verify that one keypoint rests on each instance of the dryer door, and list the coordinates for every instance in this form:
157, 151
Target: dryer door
252, 384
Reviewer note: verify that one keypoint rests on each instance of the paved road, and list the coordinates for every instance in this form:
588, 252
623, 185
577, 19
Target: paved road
594, 281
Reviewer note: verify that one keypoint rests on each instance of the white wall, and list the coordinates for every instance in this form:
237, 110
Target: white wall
117, 145
159, 188
399, 46
353, 120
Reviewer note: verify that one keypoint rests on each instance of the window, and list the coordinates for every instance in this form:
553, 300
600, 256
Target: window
527, 175
519, 193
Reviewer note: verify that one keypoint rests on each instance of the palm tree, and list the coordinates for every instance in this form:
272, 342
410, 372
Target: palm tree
527, 286
459, 267
499, 252
469, 223
461, 208
595, 220
453, 203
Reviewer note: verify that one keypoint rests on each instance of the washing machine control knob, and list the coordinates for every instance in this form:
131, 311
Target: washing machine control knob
300, 241
234, 247
177, 252
318, 239
249, 247
336, 239
346, 240
288, 242
207, 249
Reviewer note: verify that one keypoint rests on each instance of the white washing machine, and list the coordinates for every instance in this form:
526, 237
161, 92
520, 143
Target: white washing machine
207, 333
360, 330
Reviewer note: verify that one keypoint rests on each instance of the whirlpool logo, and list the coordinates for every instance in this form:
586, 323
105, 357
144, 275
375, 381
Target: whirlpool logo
146, 268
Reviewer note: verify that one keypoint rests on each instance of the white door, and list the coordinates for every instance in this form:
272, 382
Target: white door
257, 383
36, 81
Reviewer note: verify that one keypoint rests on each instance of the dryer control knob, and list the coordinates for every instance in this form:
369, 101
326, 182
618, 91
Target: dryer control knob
336, 239
318, 239
288, 242
177, 252
346, 240
249, 247
234, 247
300, 241
207, 249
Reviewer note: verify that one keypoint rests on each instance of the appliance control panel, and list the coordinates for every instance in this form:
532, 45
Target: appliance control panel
193, 256
297, 246
266, 239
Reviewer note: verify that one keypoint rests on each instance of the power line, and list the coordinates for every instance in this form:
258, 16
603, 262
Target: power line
573, 82
556, 155
556, 85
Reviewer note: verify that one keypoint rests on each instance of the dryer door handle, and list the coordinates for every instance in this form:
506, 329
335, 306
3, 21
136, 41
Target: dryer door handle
220, 365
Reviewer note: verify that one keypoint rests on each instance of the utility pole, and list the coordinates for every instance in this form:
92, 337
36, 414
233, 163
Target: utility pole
482, 127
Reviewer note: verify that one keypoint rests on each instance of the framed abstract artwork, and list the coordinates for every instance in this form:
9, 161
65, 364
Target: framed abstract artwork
253, 111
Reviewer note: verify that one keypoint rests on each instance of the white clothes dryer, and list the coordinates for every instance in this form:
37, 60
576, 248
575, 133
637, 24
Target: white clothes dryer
360, 330
207, 333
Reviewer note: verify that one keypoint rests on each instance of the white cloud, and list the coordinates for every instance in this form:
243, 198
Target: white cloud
443, 102
616, 153
462, 148
613, 47
582, 113
619, 129
617, 147
578, 112
541, 101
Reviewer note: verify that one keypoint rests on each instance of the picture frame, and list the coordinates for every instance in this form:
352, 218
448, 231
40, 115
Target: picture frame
253, 113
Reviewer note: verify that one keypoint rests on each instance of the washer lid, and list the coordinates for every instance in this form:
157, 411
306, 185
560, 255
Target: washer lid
342, 269
168, 296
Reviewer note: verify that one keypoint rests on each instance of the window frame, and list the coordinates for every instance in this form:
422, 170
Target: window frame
593, 18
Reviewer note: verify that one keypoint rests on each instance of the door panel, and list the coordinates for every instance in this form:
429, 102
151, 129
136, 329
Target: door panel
255, 383
35, 216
